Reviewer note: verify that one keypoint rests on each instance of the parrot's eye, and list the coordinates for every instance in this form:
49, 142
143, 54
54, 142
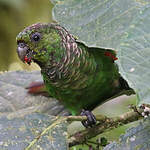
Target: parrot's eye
35, 37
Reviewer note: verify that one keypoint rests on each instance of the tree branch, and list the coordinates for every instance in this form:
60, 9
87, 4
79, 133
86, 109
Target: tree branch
104, 124
82, 118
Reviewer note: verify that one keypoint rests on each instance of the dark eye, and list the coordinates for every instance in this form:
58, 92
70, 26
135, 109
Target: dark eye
36, 37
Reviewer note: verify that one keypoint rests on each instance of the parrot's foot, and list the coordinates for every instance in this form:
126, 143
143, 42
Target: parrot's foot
91, 120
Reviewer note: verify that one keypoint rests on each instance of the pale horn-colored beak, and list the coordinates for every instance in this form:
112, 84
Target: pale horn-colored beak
22, 50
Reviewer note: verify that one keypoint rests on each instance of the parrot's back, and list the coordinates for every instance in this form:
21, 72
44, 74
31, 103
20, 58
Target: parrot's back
86, 78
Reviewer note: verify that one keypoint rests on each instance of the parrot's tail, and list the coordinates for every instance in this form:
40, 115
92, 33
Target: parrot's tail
124, 86
37, 88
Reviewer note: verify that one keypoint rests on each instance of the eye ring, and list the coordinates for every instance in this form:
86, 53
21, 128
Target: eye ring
36, 37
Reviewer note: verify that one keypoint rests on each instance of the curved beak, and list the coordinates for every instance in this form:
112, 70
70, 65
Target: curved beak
23, 52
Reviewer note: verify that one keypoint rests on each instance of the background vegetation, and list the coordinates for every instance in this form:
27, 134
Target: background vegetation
15, 15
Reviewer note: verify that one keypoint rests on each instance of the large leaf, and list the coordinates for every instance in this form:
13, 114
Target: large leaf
121, 25
134, 52
14, 99
37, 130
136, 138
19, 124
99, 23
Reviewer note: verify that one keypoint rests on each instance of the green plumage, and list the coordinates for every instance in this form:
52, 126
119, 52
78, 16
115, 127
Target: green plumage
78, 76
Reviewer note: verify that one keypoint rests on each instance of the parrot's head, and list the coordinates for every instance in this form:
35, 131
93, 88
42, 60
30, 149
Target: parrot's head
36, 42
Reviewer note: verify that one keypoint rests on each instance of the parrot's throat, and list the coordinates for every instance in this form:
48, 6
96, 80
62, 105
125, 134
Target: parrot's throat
74, 64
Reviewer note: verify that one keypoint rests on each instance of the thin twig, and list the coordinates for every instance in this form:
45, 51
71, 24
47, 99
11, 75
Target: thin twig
105, 125
82, 118
58, 121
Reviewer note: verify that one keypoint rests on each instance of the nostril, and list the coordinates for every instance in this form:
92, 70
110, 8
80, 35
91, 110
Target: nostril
21, 45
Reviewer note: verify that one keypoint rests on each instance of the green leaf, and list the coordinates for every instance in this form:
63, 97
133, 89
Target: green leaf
121, 25
134, 55
20, 126
99, 23
136, 138
15, 101
32, 132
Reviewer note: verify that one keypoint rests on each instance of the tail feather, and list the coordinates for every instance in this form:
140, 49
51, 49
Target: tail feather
124, 86
37, 88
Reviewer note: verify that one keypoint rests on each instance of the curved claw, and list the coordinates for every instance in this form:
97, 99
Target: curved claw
91, 120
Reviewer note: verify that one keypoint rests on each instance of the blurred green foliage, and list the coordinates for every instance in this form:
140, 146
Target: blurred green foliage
14, 16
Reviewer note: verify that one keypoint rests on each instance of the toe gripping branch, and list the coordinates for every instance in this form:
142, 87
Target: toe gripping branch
91, 120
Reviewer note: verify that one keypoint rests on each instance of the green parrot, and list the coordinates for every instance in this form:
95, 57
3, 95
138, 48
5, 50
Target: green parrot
79, 76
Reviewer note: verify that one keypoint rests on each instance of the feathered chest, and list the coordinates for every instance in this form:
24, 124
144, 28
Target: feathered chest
72, 71
70, 65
